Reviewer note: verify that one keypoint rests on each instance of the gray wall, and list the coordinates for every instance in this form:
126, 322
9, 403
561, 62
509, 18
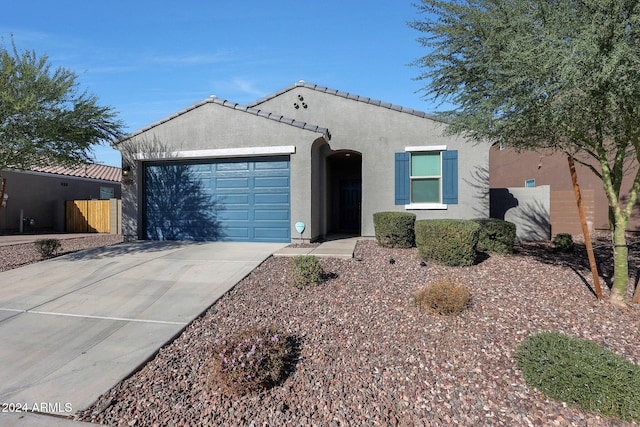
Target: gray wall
528, 208
214, 126
374, 132
377, 133
42, 196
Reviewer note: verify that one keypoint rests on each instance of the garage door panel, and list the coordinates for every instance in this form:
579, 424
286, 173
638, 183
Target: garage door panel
232, 183
284, 165
271, 215
272, 199
201, 169
237, 233
228, 215
271, 182
232, 165
235, 199
240, 199
270, 234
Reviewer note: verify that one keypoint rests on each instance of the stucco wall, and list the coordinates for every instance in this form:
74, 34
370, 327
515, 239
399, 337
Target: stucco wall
377, 133
528, 208
374, 132
212, 126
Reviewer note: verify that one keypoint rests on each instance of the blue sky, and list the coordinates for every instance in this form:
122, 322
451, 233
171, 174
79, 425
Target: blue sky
150, 59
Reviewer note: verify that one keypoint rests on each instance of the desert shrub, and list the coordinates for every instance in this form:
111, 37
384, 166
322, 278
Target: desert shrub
445, 296
581, 372
252, 360
451, 242
48, 247
395, 229
306, 271
496, 236
563, 242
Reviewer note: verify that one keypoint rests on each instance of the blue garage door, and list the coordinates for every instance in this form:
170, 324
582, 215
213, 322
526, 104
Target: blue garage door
245, 200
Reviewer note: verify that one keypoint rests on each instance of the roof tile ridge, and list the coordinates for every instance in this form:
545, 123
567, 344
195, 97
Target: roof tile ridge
251, 109
347, 95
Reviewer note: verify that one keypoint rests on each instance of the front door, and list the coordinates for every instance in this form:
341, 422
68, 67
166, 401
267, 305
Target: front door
350, 204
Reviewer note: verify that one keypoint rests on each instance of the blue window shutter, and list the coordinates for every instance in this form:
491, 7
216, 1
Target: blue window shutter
402, 178
450, 177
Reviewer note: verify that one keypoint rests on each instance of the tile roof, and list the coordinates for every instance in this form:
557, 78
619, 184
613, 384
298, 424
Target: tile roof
346, 95
90, 170
255, 111
251, 109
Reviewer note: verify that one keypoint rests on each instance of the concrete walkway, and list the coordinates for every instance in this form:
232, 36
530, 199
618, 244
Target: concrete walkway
339, 248
74, 326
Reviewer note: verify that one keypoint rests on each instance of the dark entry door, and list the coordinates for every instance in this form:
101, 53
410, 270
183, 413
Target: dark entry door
350, 204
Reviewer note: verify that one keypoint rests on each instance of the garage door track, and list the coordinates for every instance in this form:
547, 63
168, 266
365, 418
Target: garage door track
74, 326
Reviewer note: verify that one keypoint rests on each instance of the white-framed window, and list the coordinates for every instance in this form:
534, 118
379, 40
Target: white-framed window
530, 183
431, 180
426, 177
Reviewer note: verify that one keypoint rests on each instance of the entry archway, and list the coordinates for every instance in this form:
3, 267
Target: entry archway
344, 192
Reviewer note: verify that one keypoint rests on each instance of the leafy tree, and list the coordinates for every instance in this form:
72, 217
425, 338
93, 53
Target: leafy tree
538, 74
44, 117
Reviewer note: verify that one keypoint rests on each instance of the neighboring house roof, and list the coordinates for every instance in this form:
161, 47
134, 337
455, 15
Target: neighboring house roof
234, 106
90, 171
346, 95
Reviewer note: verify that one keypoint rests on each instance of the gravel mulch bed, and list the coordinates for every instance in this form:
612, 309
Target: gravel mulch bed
14, 256
368, 356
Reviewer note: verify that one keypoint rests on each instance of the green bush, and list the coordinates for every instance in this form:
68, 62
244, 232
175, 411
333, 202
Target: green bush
451, 242
563, 242
445, 296
395, 229
48, 247
496, 236
306, 271
581, 372
251, 361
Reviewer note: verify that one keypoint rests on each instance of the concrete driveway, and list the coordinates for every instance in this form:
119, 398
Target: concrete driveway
74, 326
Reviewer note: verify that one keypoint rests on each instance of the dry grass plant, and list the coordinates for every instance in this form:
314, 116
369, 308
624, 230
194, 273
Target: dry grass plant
446, 296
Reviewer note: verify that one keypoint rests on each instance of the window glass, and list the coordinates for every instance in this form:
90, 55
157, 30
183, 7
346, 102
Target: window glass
425, 190
106, 193
425, 164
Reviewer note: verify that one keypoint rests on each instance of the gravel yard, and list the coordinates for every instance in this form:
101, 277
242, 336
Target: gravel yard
14, 256
368, 356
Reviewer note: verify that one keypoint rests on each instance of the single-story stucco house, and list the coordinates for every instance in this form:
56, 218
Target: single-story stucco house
303, 155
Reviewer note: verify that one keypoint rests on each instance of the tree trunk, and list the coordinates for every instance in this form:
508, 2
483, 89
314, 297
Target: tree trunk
620, 264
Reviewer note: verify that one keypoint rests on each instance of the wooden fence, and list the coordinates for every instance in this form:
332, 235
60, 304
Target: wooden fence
92, 216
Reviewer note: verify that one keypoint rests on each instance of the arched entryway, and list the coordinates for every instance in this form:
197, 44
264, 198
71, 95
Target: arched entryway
344, 192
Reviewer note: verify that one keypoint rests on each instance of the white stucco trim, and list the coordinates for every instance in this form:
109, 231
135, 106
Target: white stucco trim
219, 152
426, 148
426, 206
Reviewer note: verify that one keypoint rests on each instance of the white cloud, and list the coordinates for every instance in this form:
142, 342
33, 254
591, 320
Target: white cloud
193, 59
238, 89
